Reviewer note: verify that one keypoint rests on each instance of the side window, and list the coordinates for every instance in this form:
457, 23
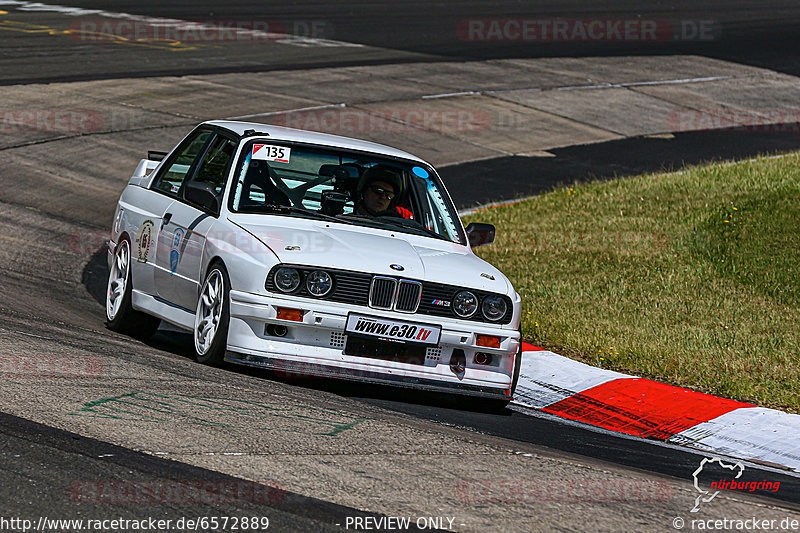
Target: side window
214, 167
177, 168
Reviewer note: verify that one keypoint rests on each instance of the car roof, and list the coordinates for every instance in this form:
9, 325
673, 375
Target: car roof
311, 137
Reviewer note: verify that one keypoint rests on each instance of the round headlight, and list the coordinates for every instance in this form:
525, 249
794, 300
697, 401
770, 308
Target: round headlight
465, 304
287, 279
493, 308
319, 283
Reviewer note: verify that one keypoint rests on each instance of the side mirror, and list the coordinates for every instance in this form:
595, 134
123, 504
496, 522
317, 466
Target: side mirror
203, 195
480, 234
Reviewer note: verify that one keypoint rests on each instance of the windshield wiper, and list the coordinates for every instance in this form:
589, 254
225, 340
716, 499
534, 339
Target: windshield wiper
390, 221
276, 208
355, 216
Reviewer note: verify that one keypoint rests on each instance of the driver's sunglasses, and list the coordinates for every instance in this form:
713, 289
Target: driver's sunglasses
381, 191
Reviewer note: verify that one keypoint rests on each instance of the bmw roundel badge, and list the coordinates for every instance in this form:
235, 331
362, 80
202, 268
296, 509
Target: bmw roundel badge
397, 267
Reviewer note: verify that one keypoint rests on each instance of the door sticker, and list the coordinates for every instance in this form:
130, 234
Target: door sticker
143, 240
175, 252
268, 152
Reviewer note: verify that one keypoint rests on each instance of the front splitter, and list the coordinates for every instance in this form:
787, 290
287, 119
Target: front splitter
297, 370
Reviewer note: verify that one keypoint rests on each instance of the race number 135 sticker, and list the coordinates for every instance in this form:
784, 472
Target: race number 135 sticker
266, 152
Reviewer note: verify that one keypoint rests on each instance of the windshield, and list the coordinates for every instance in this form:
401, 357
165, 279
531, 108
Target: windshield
352, 187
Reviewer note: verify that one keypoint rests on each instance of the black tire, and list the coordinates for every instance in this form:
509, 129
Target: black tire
213, 353
517, 366
125, 319
498, 406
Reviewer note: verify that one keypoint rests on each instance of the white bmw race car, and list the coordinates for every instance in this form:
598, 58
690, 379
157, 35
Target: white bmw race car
312, 254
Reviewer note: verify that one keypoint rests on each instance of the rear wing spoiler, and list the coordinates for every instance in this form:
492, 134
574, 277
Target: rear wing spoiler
141, 176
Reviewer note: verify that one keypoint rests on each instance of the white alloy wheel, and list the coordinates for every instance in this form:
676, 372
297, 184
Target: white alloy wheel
118, 279
209, 312
119, 294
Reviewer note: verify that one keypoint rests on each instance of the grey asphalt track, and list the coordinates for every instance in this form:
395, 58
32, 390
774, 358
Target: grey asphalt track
85, 479
528, 176
745, 31
387, 454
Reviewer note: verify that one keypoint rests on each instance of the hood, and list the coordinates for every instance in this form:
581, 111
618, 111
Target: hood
357, 248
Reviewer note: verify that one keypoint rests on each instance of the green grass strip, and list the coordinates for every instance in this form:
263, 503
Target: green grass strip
691, 278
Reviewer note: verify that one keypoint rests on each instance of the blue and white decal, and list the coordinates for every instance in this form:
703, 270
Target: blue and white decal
175, 252
421, 172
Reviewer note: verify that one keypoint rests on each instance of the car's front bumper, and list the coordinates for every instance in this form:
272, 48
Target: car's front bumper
314, 347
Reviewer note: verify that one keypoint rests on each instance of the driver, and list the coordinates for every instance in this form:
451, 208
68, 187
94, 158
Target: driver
377, 189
